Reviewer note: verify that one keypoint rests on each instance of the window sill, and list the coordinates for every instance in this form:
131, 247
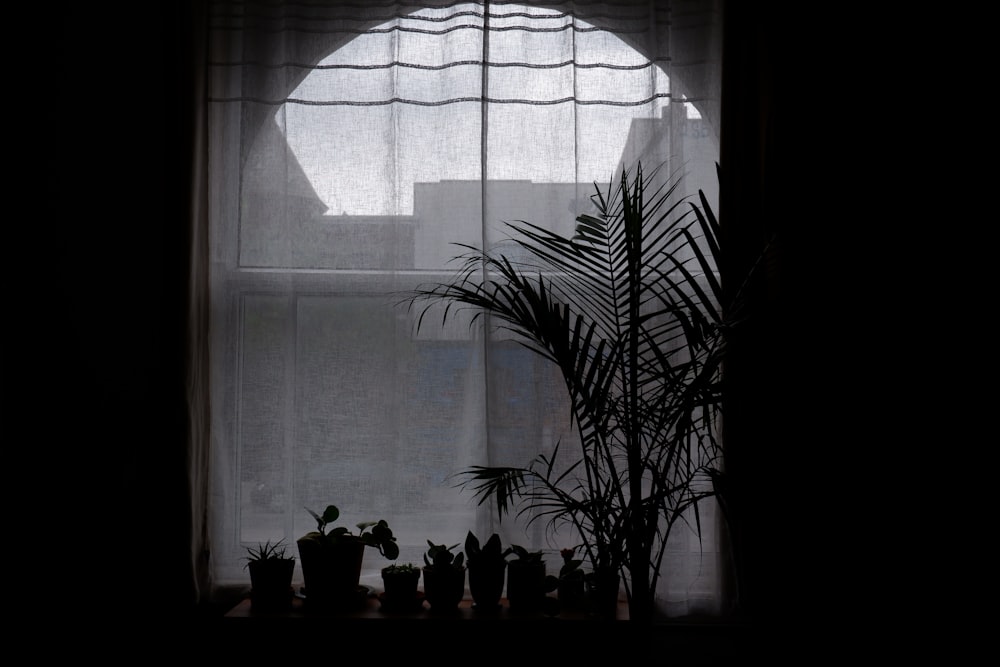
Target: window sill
371, 609
486, 634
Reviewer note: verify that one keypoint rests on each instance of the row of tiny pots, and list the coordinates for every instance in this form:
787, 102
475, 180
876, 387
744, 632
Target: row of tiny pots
445, 574
527, 582
331, 570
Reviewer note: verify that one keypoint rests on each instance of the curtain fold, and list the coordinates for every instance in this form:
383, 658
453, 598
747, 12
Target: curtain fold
199, 465
349, 148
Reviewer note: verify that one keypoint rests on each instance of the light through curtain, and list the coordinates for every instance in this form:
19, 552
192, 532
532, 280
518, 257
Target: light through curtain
351, 146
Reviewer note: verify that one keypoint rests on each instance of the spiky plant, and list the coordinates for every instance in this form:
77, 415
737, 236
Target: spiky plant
265, 551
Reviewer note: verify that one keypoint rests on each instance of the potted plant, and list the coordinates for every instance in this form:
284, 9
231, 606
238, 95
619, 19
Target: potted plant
270, 576
400, 582
570, 583
632, 311
444, 577
487, 564
527, 582
331, 561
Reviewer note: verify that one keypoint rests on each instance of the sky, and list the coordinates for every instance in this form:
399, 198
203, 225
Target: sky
362, 155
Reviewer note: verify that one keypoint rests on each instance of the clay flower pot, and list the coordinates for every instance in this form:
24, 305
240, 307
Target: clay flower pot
400, 585
271, 584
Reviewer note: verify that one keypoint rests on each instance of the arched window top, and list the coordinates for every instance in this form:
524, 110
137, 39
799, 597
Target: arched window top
351, 111
414, 86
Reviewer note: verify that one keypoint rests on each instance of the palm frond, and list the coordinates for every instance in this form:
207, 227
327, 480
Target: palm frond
630, 309
502, 484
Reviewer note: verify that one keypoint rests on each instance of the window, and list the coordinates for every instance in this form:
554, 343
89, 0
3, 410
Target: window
350, 149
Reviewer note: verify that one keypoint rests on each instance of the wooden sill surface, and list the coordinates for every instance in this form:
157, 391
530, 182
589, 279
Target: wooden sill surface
372, 609
565, 636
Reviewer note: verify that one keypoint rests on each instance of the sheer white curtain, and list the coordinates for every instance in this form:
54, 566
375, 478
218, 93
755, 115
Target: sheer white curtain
350, 146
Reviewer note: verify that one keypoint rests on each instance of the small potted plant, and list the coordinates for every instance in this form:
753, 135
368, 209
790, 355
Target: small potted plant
602, 592
400, 582
331, 561
487, 563
270, 576
527, 583
444, 577
569, 584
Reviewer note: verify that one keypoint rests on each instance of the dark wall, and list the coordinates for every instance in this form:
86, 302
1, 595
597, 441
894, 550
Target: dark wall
797, 436
126, 82
121, 153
